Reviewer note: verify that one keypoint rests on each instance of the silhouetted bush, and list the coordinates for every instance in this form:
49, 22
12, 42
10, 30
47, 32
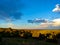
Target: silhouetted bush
0, 37
52, 40
15, 34
3, 33
27, 35
48, 35
41, 36
58, 36
6, 34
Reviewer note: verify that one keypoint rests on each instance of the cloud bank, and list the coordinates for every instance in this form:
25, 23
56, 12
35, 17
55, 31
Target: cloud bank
54, 24
46, 24
10, 9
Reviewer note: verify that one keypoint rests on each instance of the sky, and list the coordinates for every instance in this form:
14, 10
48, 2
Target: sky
30, 14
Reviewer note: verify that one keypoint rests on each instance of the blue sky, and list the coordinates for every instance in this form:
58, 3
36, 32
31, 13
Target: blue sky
16, 13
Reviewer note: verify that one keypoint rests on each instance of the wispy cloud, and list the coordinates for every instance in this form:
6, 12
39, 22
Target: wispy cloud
57, 8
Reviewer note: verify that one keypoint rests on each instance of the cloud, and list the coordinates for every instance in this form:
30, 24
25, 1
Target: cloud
46, 24
37, 20
9, 25
57, 8
10, 9
54, 24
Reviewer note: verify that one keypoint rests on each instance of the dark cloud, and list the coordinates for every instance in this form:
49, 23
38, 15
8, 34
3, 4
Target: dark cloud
10, 9
37, 21
30, 21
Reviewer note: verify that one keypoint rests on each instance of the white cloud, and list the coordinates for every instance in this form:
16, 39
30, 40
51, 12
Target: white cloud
57, 8
8, 25
54, 24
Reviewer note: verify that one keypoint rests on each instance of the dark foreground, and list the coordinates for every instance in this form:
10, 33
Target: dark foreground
22, 37
22, 41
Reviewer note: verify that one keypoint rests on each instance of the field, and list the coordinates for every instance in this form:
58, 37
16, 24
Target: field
35, 32
12, 37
